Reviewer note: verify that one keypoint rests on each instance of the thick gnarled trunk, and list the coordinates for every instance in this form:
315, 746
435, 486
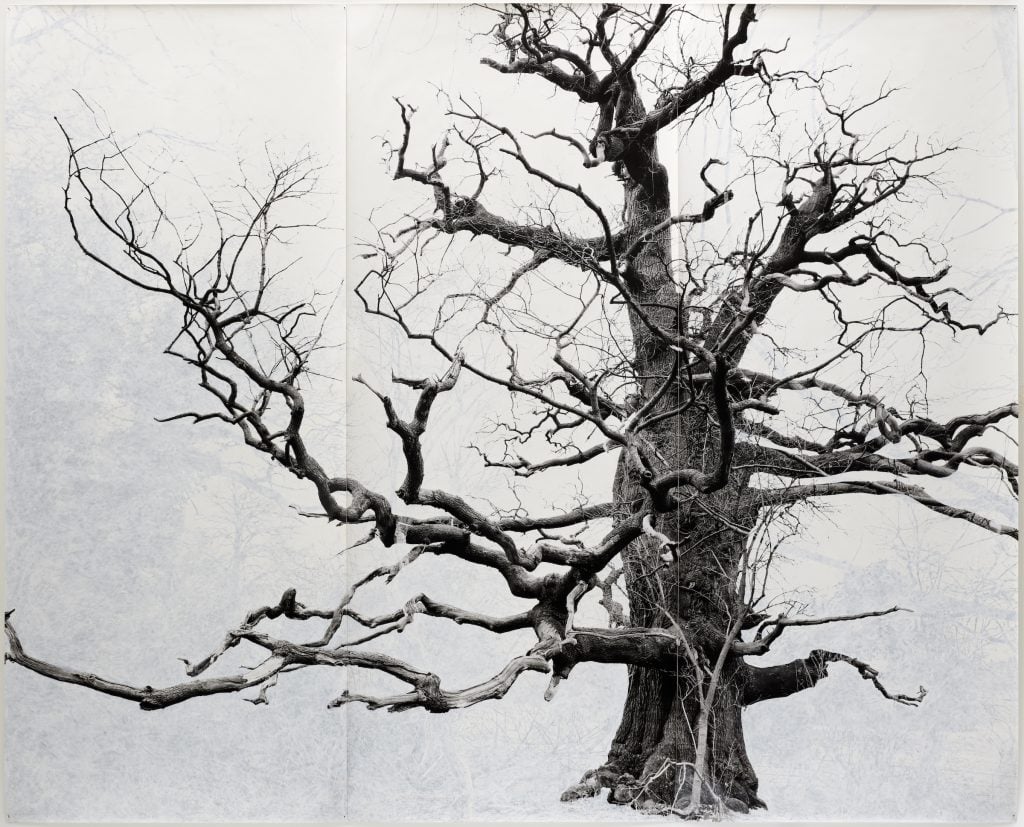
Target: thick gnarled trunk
656, 750
654, 753
681, 723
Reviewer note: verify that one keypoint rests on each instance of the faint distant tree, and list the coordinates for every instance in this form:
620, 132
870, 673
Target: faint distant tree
662, 354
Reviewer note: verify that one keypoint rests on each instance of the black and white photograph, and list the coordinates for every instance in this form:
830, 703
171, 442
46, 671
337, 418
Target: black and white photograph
473, 413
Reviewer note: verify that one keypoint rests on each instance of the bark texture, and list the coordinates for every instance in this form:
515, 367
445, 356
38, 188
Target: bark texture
654, 751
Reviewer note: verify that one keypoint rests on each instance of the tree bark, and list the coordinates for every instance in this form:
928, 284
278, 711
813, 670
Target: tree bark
652, 756
653, 753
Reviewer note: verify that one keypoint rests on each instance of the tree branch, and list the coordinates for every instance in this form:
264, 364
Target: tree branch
765, 683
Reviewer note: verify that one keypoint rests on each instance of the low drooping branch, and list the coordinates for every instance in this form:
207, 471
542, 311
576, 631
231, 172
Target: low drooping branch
285, 656
146, 696
282, 657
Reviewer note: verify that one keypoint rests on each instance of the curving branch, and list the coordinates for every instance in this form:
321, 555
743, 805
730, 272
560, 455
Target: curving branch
767, 682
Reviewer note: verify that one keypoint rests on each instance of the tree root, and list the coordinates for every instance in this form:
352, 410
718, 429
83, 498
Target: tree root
626, 789
589, 786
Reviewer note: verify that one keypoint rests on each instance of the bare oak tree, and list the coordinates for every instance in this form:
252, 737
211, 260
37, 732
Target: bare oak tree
661, 355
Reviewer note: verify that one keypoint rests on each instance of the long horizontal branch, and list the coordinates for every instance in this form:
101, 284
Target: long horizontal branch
285, 656
421, 604
583, 514
429, 695
662, 648
762, 683
796, 493
525, 468
774, 627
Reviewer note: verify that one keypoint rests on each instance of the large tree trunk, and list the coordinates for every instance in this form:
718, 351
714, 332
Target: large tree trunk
654, 752
652, 758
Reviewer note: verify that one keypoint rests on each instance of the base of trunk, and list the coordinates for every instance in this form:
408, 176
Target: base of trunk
651, 763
